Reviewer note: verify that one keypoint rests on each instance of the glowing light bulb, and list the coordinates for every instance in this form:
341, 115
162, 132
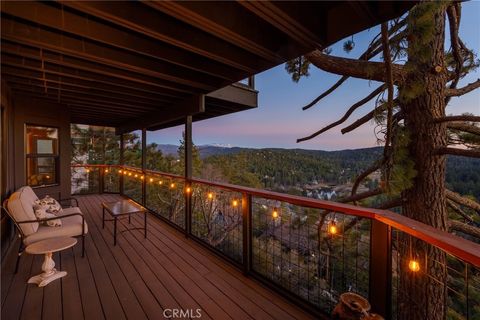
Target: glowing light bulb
151, 179
275, 214
106, 170
88, 170
413, 265
160, 182
188, 190
235, 203
124, 172
129, 174
172, 185
210, 195
120, 171
136, 176
332, 228
48, 177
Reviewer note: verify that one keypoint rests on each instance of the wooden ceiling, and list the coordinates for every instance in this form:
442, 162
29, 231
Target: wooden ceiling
129, 64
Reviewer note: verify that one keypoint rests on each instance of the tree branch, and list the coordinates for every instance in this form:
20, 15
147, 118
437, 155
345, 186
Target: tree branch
457, 209
458, 118
369, 116
458, 152
454, 24
361, 196
346, 115
452, 92
372, 51
457, 198
462, 126
326, 93
464, 228
365, 174
355, 68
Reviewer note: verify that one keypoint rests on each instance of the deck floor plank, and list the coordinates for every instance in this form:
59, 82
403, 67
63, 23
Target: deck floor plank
137, 279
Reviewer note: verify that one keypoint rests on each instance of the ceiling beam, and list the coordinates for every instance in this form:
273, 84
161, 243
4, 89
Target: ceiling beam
157, 25
55, 16
64, 83
215, 18
67, 97
269, 12
56, 65
24, 33
189, 106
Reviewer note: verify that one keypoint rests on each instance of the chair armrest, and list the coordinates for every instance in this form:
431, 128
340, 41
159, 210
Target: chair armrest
58, 217
69, 199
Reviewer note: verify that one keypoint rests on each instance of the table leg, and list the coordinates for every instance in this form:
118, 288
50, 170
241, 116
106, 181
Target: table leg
103, 218
115, 231
145, 224
49, 272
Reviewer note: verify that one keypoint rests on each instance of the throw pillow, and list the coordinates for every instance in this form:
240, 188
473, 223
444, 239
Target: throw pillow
42, 214
50, 205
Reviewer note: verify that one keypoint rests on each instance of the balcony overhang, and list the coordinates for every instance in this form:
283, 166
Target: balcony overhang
140, 62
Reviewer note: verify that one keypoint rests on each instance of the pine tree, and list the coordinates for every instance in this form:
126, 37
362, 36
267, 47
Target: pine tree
415, 131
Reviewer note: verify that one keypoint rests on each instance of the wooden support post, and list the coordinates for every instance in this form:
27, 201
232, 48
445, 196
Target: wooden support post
144, 166
247, 232
188, 175
251, 82
121, 163
380, 290
101, 179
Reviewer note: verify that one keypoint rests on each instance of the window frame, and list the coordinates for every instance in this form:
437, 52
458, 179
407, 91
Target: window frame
55, 155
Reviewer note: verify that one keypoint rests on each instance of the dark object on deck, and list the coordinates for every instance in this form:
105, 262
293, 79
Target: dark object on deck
353, 306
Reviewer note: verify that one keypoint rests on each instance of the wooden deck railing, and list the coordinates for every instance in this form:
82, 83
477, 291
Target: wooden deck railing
263, 231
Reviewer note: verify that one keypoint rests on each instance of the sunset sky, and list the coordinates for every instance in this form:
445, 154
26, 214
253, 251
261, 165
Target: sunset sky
279, 121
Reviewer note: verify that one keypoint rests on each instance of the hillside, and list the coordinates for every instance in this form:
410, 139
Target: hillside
286, 168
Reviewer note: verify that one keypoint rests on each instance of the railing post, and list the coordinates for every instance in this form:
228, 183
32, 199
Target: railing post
101, 177
144, 166
121, 165
188, 175
247, 232
380, 283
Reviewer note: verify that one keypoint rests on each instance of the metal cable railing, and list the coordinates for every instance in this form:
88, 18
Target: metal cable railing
308, 249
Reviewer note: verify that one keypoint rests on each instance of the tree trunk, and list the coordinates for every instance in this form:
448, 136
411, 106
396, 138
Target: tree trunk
422, 294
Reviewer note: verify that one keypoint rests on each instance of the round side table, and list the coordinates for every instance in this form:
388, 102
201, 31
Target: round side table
47, 247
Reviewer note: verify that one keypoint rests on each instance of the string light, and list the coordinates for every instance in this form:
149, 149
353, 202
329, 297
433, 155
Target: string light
172, 185
151, 179
160, 182
48, 177
129, 174
136, 176
413, 265
332, 228
119, 171
275, 213
106, 170
88, 170
142, 177
210, 195
235, 203
188, 190
124, 172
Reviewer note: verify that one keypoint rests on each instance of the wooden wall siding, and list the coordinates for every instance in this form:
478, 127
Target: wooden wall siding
39, 112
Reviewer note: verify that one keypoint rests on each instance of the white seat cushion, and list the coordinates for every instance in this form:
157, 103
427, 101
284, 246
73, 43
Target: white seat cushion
20, 207
71, 227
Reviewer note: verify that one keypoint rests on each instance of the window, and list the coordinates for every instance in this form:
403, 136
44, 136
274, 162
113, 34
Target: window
41, 155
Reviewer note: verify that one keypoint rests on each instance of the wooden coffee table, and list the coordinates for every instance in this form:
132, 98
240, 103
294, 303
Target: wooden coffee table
47, 247
123, 208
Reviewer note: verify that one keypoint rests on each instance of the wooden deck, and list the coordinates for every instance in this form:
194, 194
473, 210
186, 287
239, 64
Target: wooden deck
138, 279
